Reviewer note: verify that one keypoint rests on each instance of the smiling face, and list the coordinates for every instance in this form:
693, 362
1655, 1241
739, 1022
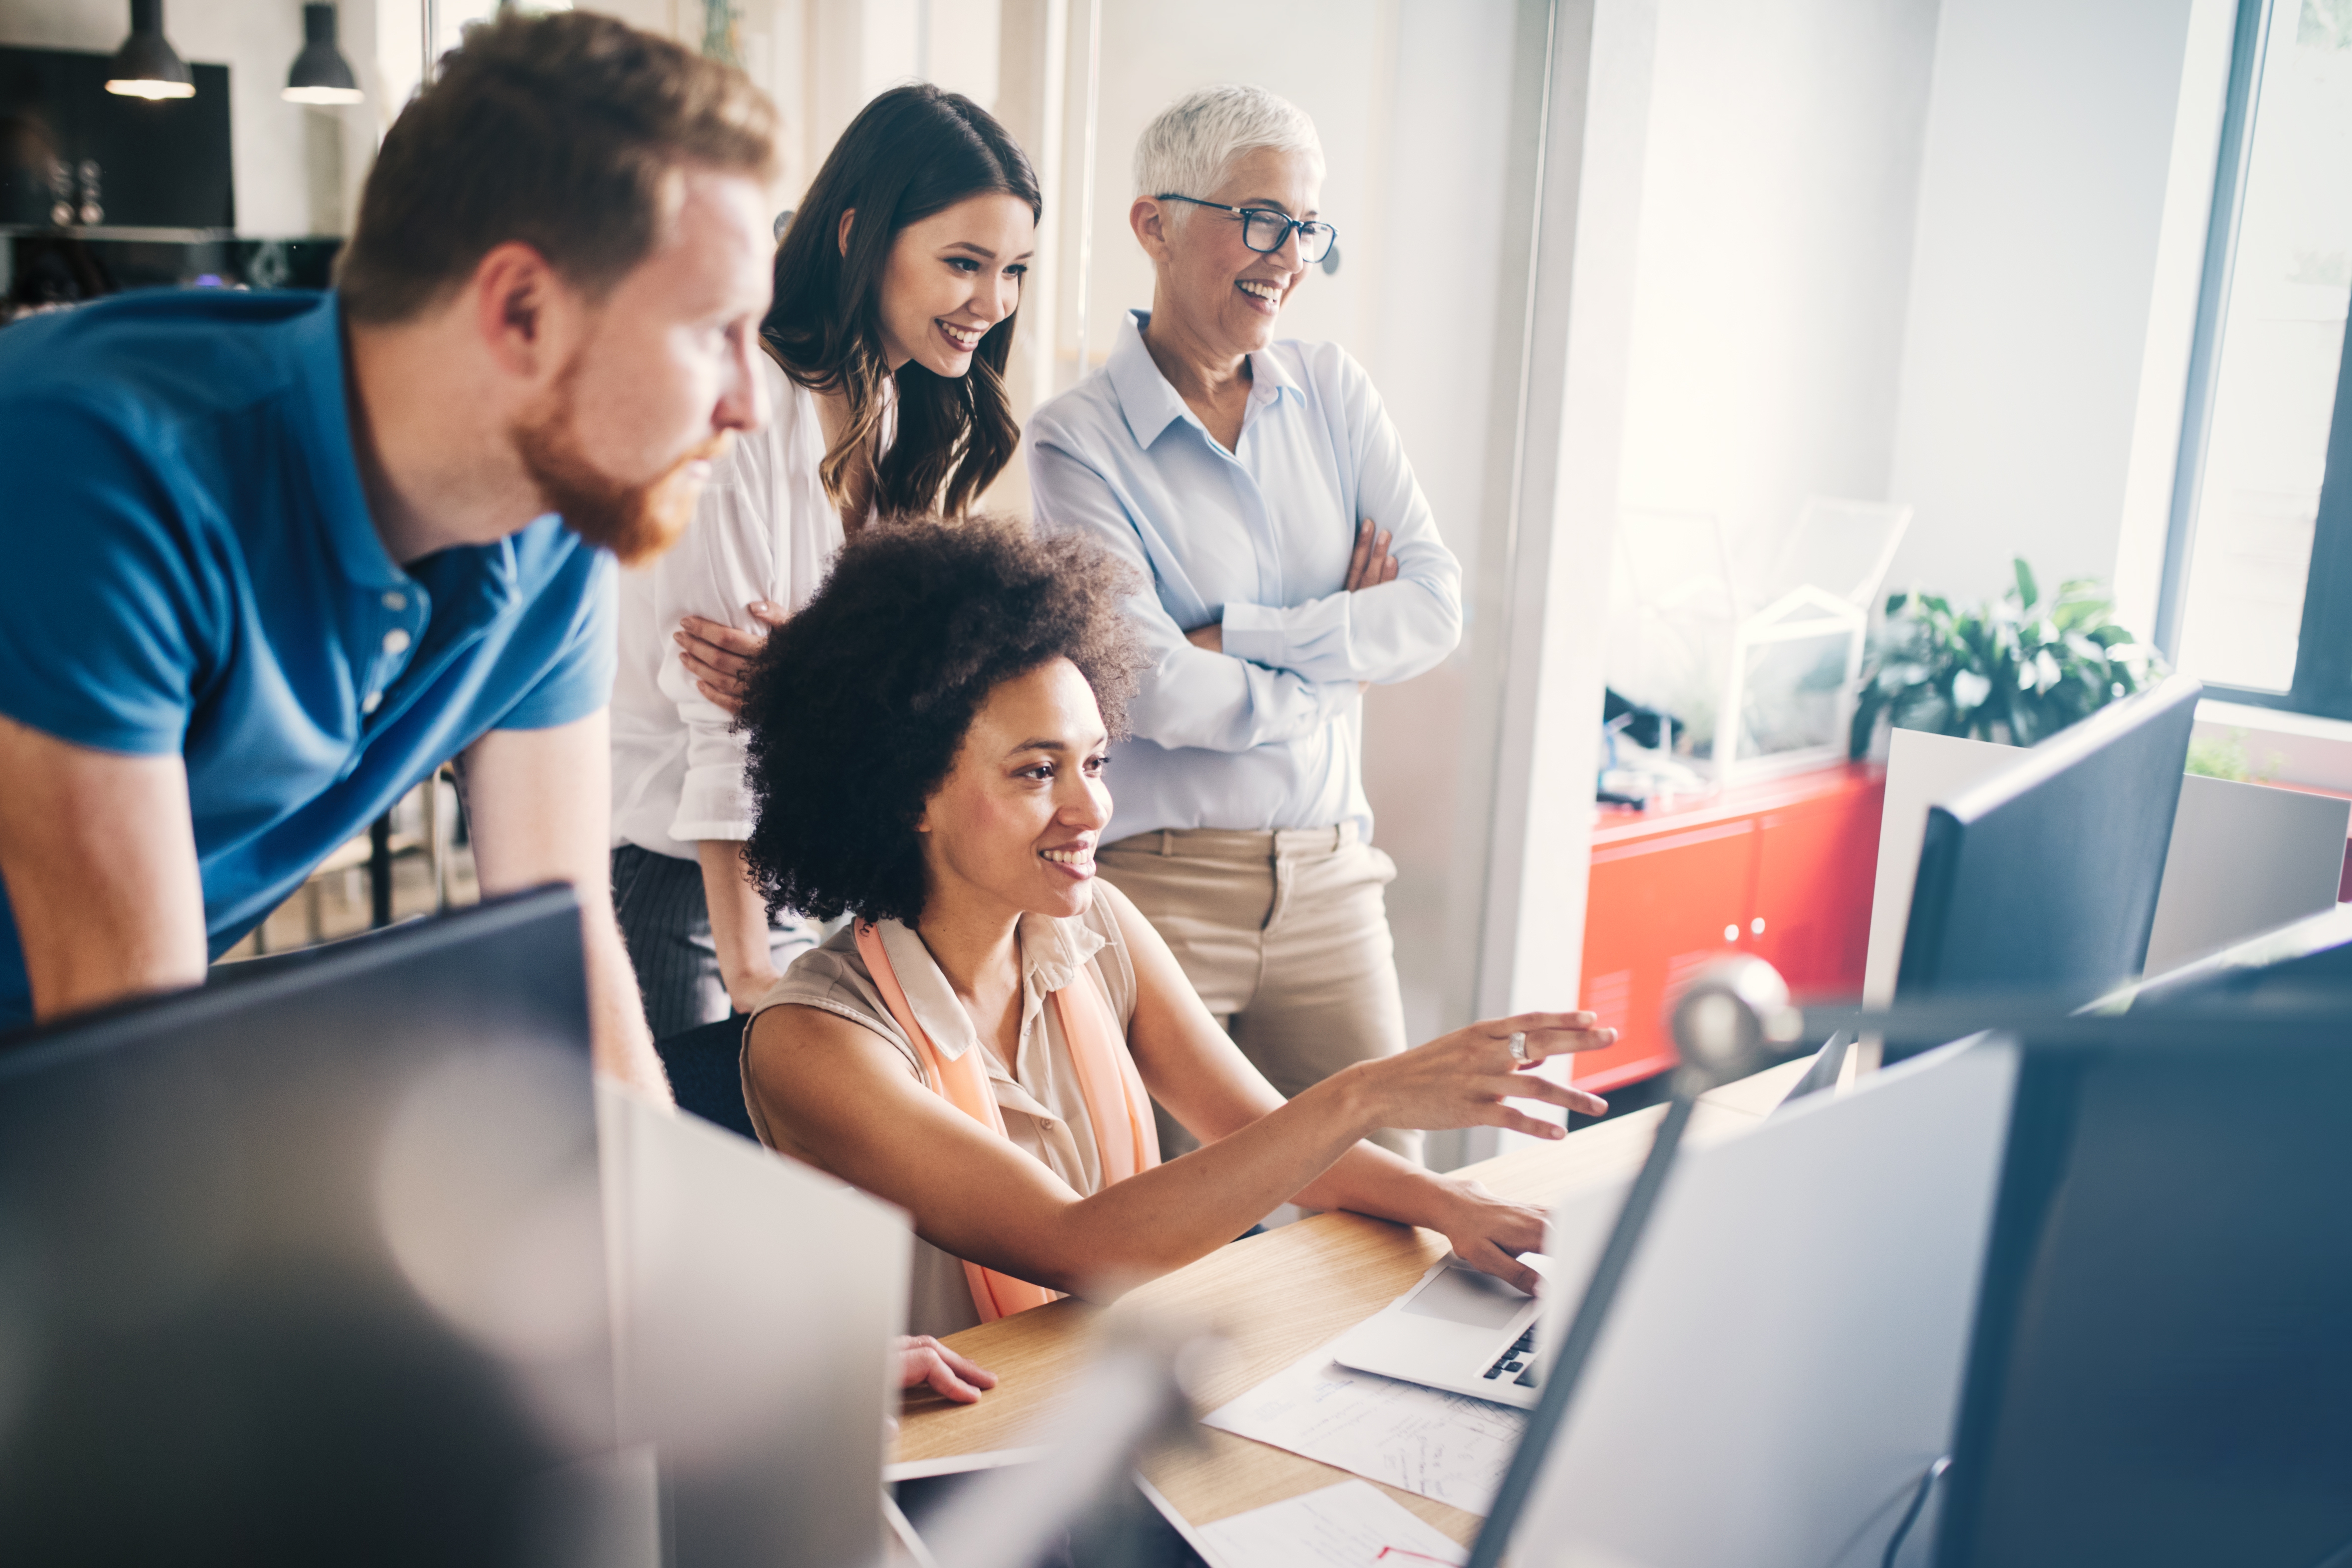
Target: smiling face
1012, 828
952, 277
1227, 294
623, 440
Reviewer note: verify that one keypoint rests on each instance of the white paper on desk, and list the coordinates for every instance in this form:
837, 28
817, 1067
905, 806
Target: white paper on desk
1352, 1525
1447, 1446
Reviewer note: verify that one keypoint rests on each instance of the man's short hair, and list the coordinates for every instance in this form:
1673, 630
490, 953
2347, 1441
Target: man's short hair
559, 131
1194, 142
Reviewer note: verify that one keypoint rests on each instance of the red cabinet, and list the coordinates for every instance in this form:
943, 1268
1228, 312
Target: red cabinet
1782, 868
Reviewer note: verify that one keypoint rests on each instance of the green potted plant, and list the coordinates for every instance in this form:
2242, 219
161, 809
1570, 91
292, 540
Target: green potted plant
2015, 671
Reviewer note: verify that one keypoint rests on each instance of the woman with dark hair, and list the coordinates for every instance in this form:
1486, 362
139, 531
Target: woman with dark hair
895, 290
859, 316
982, 1046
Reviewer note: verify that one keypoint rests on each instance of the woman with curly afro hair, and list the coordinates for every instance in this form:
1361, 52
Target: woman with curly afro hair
926, 745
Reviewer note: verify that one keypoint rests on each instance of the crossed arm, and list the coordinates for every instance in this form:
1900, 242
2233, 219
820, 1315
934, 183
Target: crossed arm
1370, 565
1234, 677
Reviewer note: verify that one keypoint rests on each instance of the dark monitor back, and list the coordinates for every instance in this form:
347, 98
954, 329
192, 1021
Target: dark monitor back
2161, 1371
2042, 880
307, 1265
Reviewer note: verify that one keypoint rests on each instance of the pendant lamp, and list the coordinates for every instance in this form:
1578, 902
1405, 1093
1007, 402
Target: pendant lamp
147, 65
320, 74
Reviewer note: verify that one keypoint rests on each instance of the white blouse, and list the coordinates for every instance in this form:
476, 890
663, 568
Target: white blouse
764, 529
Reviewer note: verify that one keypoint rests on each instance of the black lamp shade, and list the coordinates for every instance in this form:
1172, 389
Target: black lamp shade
146, 66
320, 74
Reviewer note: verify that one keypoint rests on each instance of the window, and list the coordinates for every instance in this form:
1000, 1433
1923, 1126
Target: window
2257, 596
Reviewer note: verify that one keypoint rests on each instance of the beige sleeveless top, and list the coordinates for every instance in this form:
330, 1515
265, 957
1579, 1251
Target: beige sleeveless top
1045, 1113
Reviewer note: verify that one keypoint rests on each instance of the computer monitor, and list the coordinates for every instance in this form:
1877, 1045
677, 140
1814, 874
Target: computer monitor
2039, 883
2042, 881
307, 1265
1784, 1360
2161, 1371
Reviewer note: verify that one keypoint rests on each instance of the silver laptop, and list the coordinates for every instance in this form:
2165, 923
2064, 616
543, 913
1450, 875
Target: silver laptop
1457, 1329
1468, 1332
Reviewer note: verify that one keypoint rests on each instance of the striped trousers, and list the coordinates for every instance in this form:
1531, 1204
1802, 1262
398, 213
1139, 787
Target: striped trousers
665, 921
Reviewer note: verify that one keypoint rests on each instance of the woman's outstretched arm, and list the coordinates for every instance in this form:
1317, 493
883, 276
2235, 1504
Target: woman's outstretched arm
845, 1096
1209, 1085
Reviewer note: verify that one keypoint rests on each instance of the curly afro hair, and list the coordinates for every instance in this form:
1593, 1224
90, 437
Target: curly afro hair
860, 703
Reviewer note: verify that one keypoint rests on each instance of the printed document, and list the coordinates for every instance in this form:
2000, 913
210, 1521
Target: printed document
1352, 1525
1442, 1446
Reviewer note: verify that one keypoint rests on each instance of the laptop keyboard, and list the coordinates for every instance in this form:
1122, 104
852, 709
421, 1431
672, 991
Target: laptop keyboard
1520, 1359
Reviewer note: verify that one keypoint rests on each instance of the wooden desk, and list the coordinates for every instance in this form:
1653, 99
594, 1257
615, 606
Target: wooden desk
1275, 1296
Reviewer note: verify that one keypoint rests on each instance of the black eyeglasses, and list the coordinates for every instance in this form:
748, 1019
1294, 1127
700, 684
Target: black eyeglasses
1266, 232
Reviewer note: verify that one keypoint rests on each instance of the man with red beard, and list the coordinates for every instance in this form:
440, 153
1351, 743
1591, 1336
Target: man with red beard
273, 558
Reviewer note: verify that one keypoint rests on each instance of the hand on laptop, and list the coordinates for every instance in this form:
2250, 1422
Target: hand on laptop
923, 1360
1489, 1233
1468, 1079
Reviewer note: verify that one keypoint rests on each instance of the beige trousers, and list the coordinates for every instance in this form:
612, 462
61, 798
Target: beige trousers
1285, 937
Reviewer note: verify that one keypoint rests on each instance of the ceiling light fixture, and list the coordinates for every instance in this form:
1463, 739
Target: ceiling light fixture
147, 65
320, 74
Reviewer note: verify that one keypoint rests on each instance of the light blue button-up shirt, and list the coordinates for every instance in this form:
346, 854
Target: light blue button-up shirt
1269, 732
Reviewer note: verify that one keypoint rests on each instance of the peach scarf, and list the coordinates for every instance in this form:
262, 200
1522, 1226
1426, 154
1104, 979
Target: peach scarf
1125, 1140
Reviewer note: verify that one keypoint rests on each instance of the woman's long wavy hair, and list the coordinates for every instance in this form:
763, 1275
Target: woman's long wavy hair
913, 152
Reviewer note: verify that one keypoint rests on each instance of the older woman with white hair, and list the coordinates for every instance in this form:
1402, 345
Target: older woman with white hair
1293, 561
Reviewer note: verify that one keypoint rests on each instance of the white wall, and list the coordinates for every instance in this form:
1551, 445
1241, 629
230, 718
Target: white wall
293, 165
1329, 57
822, 60
1438, 312
1779, 206
1944, 254
2042, 202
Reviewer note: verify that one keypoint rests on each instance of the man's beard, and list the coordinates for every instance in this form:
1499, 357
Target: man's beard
636, 522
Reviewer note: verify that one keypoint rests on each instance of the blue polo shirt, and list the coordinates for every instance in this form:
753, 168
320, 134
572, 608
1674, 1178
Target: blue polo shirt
187, 564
